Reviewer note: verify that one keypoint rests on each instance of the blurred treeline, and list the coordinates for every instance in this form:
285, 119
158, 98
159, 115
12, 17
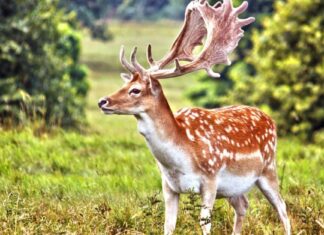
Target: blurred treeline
94, 13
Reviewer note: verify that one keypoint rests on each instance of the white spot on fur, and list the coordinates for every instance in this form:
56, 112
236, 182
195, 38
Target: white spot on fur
204, 153
187, 112
226, 153
225, 138
218, 121
228, 129
254, 155
195, 114
266, 148
182, 111
190, 136
206, 141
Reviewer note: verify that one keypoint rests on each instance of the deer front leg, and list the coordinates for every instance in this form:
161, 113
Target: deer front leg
208, 195
171, 200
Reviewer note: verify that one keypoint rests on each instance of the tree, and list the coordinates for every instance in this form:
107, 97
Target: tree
91, 14
40, 73
288, 57
175, 9
140, 9
214, 93
288, 68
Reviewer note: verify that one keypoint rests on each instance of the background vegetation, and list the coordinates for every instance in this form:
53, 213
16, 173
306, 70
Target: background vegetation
281, 71
102, 179
40, 74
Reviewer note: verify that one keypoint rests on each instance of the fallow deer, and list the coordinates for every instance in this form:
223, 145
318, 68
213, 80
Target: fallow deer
216, 153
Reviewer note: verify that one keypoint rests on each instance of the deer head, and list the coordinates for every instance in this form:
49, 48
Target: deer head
218, 24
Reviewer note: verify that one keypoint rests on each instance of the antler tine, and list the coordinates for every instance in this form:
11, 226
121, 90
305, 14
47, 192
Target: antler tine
212, 74
135, 63
228, 6
217, 4
124, 62
221, 25
241, 8
244, 22
149, 56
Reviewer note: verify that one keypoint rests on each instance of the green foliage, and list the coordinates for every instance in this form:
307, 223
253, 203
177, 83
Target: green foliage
211, 93
39, 58
89, 13
289, 63
175, 9
283, 73
140, 10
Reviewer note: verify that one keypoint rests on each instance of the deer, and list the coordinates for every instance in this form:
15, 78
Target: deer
216, 153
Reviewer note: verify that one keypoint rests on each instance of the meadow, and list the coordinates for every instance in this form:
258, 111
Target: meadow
103, 179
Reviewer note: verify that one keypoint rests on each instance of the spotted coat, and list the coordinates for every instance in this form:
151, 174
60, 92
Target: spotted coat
221, 136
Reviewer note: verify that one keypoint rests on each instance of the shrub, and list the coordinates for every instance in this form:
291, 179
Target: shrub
91, 14
287, 75
214, 93
40, 73
288, 58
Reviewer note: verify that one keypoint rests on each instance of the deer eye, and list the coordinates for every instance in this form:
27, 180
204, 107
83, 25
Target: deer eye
135, 91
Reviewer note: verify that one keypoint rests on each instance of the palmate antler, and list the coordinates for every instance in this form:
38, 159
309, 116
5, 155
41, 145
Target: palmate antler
221, 27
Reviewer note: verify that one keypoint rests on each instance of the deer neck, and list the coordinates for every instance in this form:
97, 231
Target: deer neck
161, 132
158, 122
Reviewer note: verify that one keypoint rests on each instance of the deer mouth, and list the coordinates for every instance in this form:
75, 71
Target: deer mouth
108, 111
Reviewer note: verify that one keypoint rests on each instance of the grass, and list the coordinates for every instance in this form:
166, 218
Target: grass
105, 181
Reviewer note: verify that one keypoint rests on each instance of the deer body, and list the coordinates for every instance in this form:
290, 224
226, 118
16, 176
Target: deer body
216, 153
201, 143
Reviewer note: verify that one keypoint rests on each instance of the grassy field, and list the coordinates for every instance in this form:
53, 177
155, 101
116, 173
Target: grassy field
103, 180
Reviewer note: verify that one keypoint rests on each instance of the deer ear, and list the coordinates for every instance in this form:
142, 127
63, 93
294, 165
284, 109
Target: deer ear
126, 77
154, 86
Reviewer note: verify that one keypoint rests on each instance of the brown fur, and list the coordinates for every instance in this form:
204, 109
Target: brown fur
217, 135
235, 130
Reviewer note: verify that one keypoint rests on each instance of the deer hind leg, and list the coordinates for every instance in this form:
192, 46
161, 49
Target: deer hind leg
240, 205
269, 186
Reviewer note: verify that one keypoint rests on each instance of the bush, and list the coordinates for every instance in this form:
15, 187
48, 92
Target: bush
288, 58
40, 73
140, 10
89, 13
287, 74
214, 93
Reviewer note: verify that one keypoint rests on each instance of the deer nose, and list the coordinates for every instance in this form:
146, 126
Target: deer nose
102, 102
